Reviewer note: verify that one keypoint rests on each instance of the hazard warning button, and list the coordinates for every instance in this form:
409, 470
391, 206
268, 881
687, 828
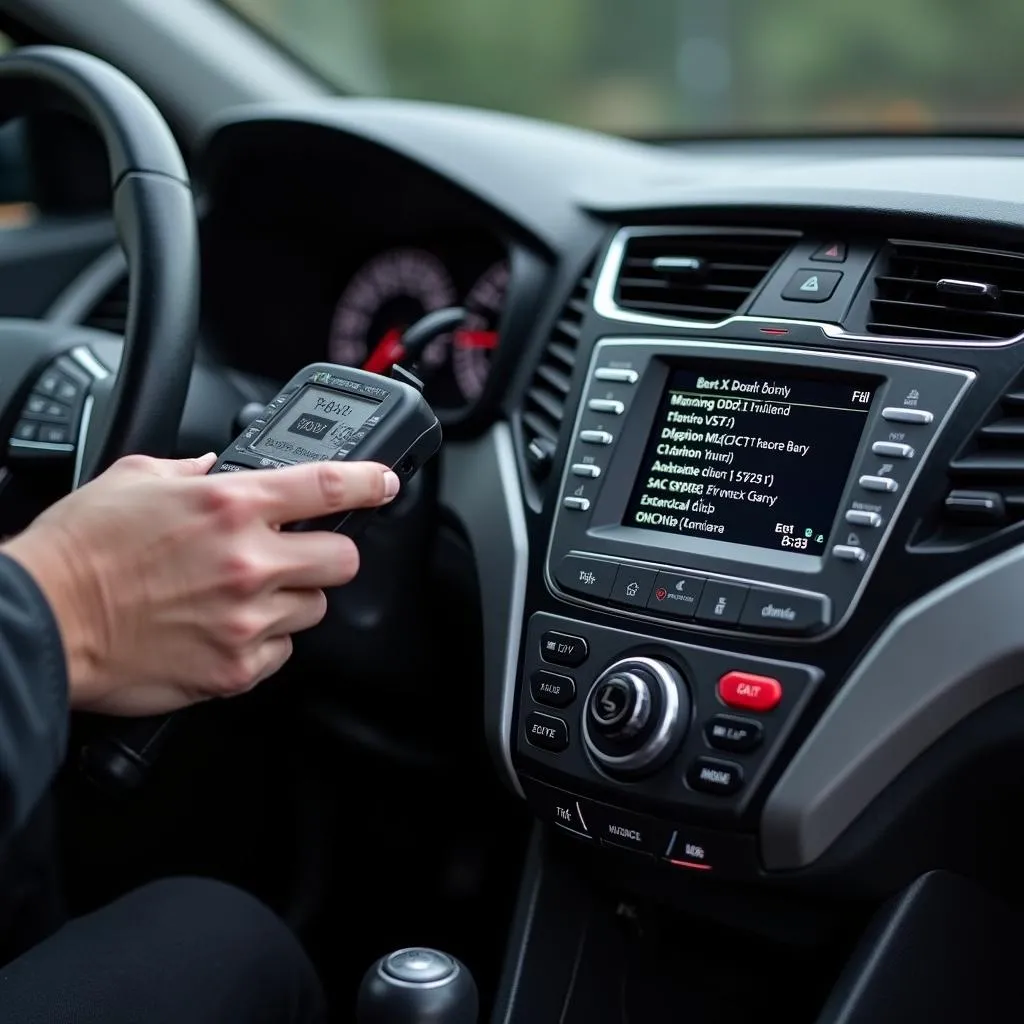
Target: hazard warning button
812, 285
831, 252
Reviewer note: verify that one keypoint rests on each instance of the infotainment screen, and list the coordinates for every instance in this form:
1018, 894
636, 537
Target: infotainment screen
754, 458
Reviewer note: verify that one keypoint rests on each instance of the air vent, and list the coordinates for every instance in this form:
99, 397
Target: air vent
110, 311
544, 405
927, 290
988, 474
703, 275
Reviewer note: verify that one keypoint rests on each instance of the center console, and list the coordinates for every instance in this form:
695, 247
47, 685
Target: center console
721, 510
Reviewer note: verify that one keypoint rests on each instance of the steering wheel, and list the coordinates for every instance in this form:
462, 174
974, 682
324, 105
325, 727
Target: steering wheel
80, 395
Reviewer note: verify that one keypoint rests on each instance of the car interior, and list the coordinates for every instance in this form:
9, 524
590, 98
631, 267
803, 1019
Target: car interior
598, 717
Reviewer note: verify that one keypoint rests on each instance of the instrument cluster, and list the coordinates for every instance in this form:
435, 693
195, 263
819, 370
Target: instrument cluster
393, 288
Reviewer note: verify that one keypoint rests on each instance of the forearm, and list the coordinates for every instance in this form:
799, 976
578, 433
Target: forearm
33, 695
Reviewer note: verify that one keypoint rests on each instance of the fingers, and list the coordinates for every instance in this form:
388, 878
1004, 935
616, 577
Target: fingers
292, 611
321, 488
314, 560
270, 657
167, 468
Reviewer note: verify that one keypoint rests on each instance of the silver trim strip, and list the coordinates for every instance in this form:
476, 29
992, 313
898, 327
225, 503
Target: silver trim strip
605, 305
939, 660
88, 362
480, 486
41, 446
83, 433
804, 357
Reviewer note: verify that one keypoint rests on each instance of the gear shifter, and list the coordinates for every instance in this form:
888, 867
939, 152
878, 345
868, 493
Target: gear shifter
417, 986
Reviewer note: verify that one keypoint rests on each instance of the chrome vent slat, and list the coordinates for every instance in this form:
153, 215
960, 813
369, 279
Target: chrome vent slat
729, 265
909, 301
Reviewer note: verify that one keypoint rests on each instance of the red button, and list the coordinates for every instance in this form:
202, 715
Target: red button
745, 690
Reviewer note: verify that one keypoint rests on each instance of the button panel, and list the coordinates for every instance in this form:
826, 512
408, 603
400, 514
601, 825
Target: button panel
690, 597
658, 839
49, 422
735, 709
790, 597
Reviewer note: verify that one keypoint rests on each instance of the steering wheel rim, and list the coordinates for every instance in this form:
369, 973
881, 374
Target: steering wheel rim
155, 220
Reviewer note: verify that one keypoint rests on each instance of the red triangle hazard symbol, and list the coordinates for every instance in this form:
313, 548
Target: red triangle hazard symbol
833, 249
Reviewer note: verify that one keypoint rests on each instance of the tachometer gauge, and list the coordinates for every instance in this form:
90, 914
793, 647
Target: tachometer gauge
474, 343
387, 295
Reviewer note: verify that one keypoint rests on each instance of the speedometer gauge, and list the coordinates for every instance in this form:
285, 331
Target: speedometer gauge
476, 340
386, 296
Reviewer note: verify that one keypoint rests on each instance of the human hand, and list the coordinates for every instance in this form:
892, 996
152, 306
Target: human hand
170, 586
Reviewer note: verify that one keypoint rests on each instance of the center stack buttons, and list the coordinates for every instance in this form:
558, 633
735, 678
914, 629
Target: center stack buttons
605, 405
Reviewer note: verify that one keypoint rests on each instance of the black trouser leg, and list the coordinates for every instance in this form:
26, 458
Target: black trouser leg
178, 951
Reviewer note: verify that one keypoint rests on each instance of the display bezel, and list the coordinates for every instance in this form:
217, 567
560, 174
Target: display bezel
598, 532
293, 400
611, 508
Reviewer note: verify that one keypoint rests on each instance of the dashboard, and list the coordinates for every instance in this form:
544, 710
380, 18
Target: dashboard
736, 449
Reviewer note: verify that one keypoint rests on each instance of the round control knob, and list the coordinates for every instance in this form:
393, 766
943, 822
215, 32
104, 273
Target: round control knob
636, 713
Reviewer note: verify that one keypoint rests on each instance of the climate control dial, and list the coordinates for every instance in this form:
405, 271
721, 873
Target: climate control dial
635, 716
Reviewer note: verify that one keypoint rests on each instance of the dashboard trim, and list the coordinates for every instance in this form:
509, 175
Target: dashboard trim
604, 304
940, 659
480, 485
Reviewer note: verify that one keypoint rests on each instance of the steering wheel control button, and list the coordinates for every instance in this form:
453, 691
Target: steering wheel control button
849, 553
775, 611
721, 603
576, 503
558, 808
676, 594
586, 575
596, 437
586, 469
613, 375
812, 285
879, 483
709, 775
547, 732
562, 649
831, 252
635, 715
419, 966
26, 430
633, 585
54, 434
552, 689
738, 735
858, 517
749, 691
629, 831
899, 414
892, 450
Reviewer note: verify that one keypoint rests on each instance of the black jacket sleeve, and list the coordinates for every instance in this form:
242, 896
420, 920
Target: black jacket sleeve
33, 695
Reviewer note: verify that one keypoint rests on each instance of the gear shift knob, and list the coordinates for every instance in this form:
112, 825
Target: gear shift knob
417, 986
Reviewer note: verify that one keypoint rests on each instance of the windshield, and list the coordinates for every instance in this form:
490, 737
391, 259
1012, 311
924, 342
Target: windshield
675, 67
